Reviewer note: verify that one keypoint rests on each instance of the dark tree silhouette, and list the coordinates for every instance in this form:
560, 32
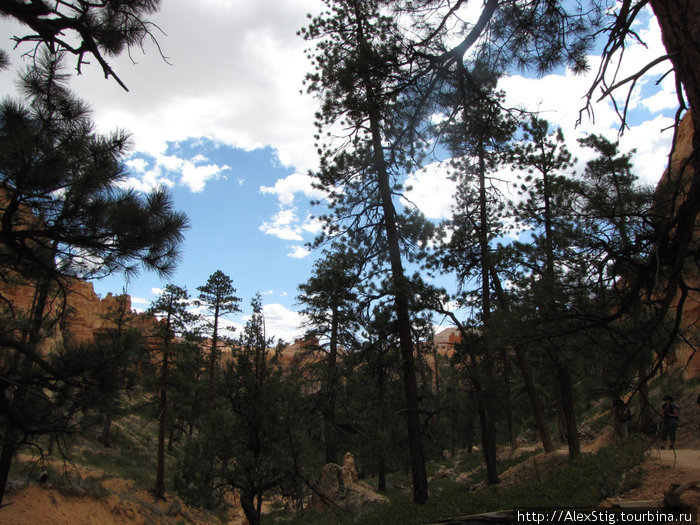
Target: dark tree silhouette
219, 299
100, 29
63, 216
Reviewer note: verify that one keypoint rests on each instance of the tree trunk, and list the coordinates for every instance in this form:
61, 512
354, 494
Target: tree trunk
567, 398
679, 21
159, 491
107, 429
561, 424
381, 456
249, 508
647, 416
399, 284
486, 394
212, 360
535, 401
528, 378
488, 433
9, 446
329, 409
509, 404
381, 468
680, 31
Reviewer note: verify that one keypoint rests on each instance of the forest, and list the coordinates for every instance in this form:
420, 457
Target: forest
563, 295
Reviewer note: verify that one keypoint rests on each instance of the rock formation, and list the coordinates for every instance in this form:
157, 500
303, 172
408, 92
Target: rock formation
340, 488
672, 188
85, 314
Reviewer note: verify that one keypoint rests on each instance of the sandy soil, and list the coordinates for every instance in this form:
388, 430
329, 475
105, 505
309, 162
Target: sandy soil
663, 469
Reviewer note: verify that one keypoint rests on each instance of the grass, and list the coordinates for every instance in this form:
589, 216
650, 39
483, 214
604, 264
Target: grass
581, 483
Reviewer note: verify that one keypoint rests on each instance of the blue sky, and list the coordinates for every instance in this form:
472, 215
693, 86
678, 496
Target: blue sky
224, 125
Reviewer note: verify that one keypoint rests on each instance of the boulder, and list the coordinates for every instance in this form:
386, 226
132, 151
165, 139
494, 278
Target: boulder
339, 487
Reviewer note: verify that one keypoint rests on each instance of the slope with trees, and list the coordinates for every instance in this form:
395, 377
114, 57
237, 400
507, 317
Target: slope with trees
63, 216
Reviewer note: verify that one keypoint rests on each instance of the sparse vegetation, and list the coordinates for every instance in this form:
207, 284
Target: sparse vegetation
565, 301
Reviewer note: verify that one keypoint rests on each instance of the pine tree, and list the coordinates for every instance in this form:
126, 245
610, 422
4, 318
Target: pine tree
477, 139
329, 303
219, 299
357, 79
171, 307
63, 215
547, 211
249, 442
84, 29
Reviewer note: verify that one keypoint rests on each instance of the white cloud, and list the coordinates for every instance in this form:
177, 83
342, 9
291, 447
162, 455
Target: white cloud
233, 75
652, 144
137, 164
312, 225
284, 225
298, 252
282, 322
559, 98
287, 188
195, 177
235, 79
169, 170
432, 191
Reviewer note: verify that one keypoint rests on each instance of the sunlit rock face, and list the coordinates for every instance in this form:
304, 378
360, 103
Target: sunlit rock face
79, 315
672, 191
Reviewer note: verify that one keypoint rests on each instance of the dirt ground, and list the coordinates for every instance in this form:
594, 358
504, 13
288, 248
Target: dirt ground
663, 469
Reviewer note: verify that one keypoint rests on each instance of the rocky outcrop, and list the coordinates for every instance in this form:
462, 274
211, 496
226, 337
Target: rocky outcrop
340, 488
82, 315
671, 192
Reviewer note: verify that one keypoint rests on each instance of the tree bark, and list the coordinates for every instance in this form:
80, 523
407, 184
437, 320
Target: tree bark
486, 395
509, 404
329, 410
107, 429
249, 508
159, 491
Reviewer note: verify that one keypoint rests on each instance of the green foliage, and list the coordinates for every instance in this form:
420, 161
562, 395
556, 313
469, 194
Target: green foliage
249, 442
65, 214
218, 297
584, 482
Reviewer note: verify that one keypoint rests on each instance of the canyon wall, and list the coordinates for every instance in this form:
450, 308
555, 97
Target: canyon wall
672, 189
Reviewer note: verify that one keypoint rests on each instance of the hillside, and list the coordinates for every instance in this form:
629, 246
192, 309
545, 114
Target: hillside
79, 493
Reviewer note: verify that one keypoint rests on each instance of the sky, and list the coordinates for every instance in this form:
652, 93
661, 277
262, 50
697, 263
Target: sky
222, 120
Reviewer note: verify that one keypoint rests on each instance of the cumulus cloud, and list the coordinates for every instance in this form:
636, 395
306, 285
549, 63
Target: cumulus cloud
286, 188
233, 74
284, 225
432, 190
559, 98
282, 322
298, 252
169, 170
